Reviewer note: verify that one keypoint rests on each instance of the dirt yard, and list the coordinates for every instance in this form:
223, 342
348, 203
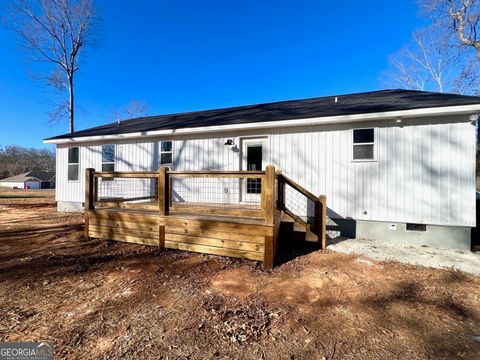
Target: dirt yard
102, 299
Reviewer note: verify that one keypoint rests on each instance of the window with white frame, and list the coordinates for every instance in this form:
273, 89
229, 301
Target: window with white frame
166, 153
363, 144
108, 157
73, 163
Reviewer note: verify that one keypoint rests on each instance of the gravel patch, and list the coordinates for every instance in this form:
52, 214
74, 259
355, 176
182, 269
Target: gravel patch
411, 254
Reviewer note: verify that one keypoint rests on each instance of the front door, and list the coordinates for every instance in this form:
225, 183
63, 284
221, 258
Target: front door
254, 158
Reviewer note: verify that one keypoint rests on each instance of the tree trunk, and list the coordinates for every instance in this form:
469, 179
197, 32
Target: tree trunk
440, 86
71, 103
477, 49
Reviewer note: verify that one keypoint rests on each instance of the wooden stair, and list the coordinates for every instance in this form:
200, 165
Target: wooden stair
295, 230
293, 224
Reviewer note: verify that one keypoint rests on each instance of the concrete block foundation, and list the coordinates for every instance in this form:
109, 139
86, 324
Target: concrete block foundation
451, 237
69, 206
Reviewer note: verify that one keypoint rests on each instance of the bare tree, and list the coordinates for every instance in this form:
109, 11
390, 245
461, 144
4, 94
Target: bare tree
434, 57
134, 109
56, 32
467, 81
15, 160
461, 16
465, 15
404, 73
425, 64
443, 56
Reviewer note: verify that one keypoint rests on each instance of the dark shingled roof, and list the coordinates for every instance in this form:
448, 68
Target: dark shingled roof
360, 103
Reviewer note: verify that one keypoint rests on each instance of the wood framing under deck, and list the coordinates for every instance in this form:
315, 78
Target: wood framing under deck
248, 231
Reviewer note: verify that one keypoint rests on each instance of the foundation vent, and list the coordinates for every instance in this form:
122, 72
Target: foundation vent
416, 227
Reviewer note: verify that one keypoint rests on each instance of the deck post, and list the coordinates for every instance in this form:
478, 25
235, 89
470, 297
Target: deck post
170, 199
268, 258
89, 197
89, 189
161, 238
95, 190
269, 196
321, 220
163, 191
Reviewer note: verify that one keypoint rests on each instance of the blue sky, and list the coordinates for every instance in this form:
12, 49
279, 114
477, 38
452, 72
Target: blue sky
189, 55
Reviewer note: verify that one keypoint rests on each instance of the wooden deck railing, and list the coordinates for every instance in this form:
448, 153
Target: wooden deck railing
248, 194
121, 189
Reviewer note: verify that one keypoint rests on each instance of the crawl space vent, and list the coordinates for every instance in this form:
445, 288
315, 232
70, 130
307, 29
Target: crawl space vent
416, 227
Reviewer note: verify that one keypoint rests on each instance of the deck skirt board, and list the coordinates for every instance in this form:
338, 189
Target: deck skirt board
124, 238
228, 219
256, 239
209, 234
219, 226
124, 225
250, 255
125, 231
124, 216
227, 244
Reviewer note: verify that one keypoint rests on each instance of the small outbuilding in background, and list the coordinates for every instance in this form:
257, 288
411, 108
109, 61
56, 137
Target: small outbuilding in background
30, 180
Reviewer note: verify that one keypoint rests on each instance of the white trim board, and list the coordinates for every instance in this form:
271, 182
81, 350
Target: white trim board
444, 110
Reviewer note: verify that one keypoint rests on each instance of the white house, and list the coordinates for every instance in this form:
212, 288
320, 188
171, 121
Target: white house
30, 180
394, 164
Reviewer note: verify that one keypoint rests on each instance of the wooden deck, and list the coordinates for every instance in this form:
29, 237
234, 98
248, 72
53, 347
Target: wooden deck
236, 230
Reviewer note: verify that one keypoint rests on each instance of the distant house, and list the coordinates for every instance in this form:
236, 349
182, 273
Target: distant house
30, 180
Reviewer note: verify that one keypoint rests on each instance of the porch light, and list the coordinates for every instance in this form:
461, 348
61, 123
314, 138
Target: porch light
229, 142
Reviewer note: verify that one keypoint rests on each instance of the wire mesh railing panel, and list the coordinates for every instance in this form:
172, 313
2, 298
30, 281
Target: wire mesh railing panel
217, 191
300, 205
127, 190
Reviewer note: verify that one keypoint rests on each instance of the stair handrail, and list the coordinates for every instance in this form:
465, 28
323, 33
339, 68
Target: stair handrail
320, 207
299, 187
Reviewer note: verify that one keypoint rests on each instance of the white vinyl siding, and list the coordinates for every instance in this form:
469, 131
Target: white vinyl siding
12, 184
423, 173
424, 170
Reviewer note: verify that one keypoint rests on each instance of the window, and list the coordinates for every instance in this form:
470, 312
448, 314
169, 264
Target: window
363, 144
254, 162
73, 162
166, 154
108, 157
